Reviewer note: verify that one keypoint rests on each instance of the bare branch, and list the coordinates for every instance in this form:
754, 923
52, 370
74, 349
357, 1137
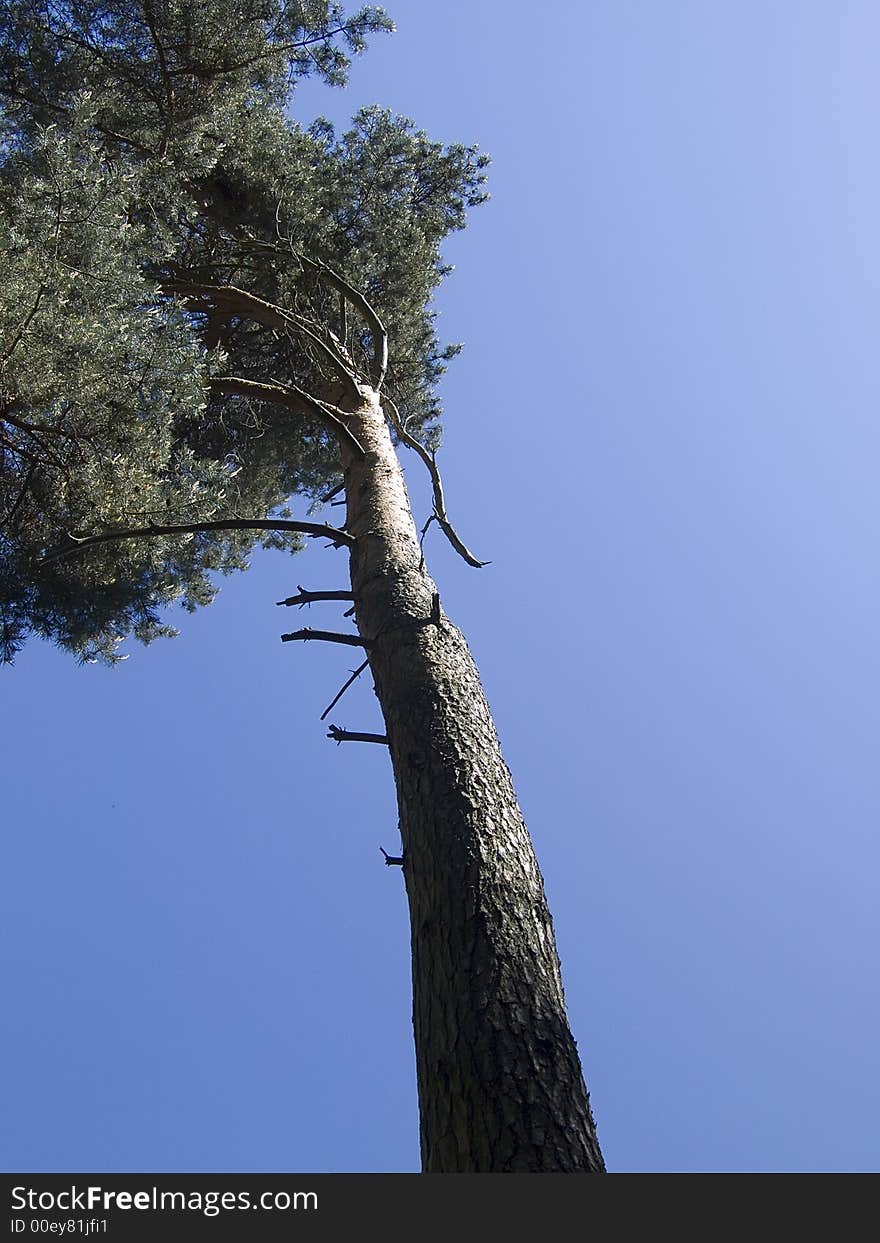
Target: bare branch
292, 398
307, 597
355, 674
437, 485
392, 860
314, 529
327, 636
18, 451
238, 301
345, 735
341, 368
34, 433
325, 500
331, 414
39, 428
269, 314
369, 312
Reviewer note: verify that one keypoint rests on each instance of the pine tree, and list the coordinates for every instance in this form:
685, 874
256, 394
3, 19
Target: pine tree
208, 310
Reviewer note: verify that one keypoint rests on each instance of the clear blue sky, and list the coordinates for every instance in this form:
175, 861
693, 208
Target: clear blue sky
664, 432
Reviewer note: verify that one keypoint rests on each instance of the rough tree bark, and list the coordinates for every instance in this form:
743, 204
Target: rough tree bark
499, 1079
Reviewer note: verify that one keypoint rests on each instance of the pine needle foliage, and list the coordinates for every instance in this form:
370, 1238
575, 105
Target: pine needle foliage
148, 152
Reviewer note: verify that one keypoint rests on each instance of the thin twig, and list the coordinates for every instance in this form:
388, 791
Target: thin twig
292, 398
358, 299
356, 673
422, 534
345, 373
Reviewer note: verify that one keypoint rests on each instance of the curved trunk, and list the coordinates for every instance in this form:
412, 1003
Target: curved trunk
499, 1080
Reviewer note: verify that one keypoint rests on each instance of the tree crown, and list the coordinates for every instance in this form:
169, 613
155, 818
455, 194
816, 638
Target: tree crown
192, 280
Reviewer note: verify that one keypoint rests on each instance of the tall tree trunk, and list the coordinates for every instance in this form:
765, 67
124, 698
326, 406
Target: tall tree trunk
499, 1079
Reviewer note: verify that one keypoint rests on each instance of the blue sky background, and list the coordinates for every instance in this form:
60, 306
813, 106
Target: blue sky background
664, 432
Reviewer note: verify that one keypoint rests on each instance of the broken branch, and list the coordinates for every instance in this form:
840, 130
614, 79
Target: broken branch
327, 636
328, 497
307, 597
345, 735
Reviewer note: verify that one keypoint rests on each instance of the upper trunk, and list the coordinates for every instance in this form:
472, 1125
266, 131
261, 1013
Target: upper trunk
500, 1083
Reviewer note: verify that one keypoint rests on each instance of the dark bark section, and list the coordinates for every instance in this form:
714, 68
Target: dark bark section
500, 1083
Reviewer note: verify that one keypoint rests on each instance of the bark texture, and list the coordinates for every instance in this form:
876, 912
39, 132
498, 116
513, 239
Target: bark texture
499, 1079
